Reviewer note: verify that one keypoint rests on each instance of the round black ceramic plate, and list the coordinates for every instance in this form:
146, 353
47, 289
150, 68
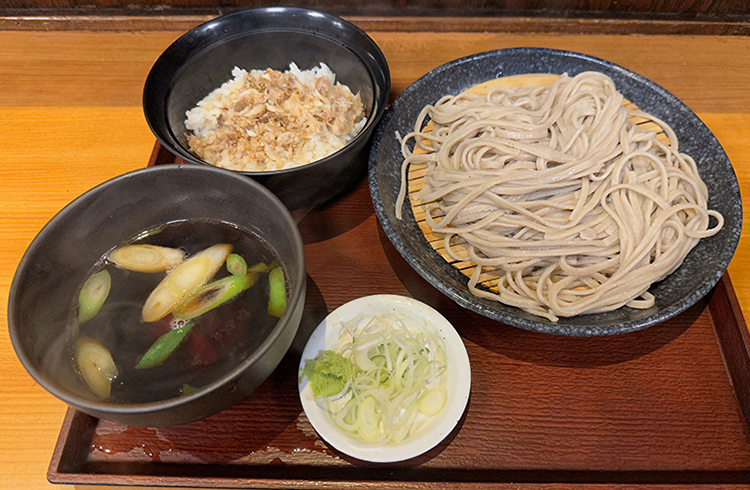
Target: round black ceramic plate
700, 271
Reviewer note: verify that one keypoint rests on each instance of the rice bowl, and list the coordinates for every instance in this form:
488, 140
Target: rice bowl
203, 59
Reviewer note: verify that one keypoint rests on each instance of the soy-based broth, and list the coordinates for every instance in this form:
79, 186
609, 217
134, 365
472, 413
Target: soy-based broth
218, 340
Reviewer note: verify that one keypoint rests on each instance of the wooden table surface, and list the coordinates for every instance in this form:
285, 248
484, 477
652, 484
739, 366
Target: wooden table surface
71, 118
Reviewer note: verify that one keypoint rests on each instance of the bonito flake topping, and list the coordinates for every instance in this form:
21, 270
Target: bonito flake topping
265, 120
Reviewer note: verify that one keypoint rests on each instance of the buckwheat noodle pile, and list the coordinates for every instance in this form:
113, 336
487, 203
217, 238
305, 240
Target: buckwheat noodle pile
565, 199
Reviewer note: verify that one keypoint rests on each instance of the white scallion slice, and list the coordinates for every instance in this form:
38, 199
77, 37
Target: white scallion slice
433, 401
183, 280
402, 384
146, 258
96, 366
369, 421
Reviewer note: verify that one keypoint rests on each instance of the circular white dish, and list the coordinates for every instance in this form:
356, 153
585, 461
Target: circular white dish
458, 374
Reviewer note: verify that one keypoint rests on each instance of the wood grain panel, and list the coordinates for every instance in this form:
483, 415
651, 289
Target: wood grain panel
109, 69
563, 23
425, 7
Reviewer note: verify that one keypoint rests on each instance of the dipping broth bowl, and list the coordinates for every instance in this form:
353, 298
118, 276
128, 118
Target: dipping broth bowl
203, 58
60, 258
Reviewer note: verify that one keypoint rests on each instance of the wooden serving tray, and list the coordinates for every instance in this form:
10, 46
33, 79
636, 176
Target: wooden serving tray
667, 406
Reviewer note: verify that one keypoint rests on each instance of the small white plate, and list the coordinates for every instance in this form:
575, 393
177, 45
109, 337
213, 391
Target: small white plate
326, 335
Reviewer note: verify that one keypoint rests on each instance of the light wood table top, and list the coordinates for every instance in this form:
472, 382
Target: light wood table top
71, 118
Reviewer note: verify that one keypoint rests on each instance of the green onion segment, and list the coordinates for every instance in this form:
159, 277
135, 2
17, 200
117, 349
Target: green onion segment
93, 294
262, 267
236, 265
214, 294
164, 346
277, 292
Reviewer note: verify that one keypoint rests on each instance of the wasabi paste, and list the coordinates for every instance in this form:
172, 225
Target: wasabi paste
328, 373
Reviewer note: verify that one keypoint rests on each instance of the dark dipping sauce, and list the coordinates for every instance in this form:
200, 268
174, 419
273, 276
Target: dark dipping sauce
217, 343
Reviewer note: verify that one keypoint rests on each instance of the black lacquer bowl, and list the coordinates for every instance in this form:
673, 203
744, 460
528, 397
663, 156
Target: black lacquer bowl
700, 271
63, 253
203, 58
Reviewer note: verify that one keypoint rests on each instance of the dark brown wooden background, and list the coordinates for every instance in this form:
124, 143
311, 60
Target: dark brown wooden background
709, 10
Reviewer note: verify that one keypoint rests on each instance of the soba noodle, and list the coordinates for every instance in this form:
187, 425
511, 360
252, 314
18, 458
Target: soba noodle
571, 201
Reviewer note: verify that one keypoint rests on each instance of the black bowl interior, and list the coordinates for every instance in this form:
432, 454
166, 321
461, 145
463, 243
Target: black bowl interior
699, 272
61, 256
203, 59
